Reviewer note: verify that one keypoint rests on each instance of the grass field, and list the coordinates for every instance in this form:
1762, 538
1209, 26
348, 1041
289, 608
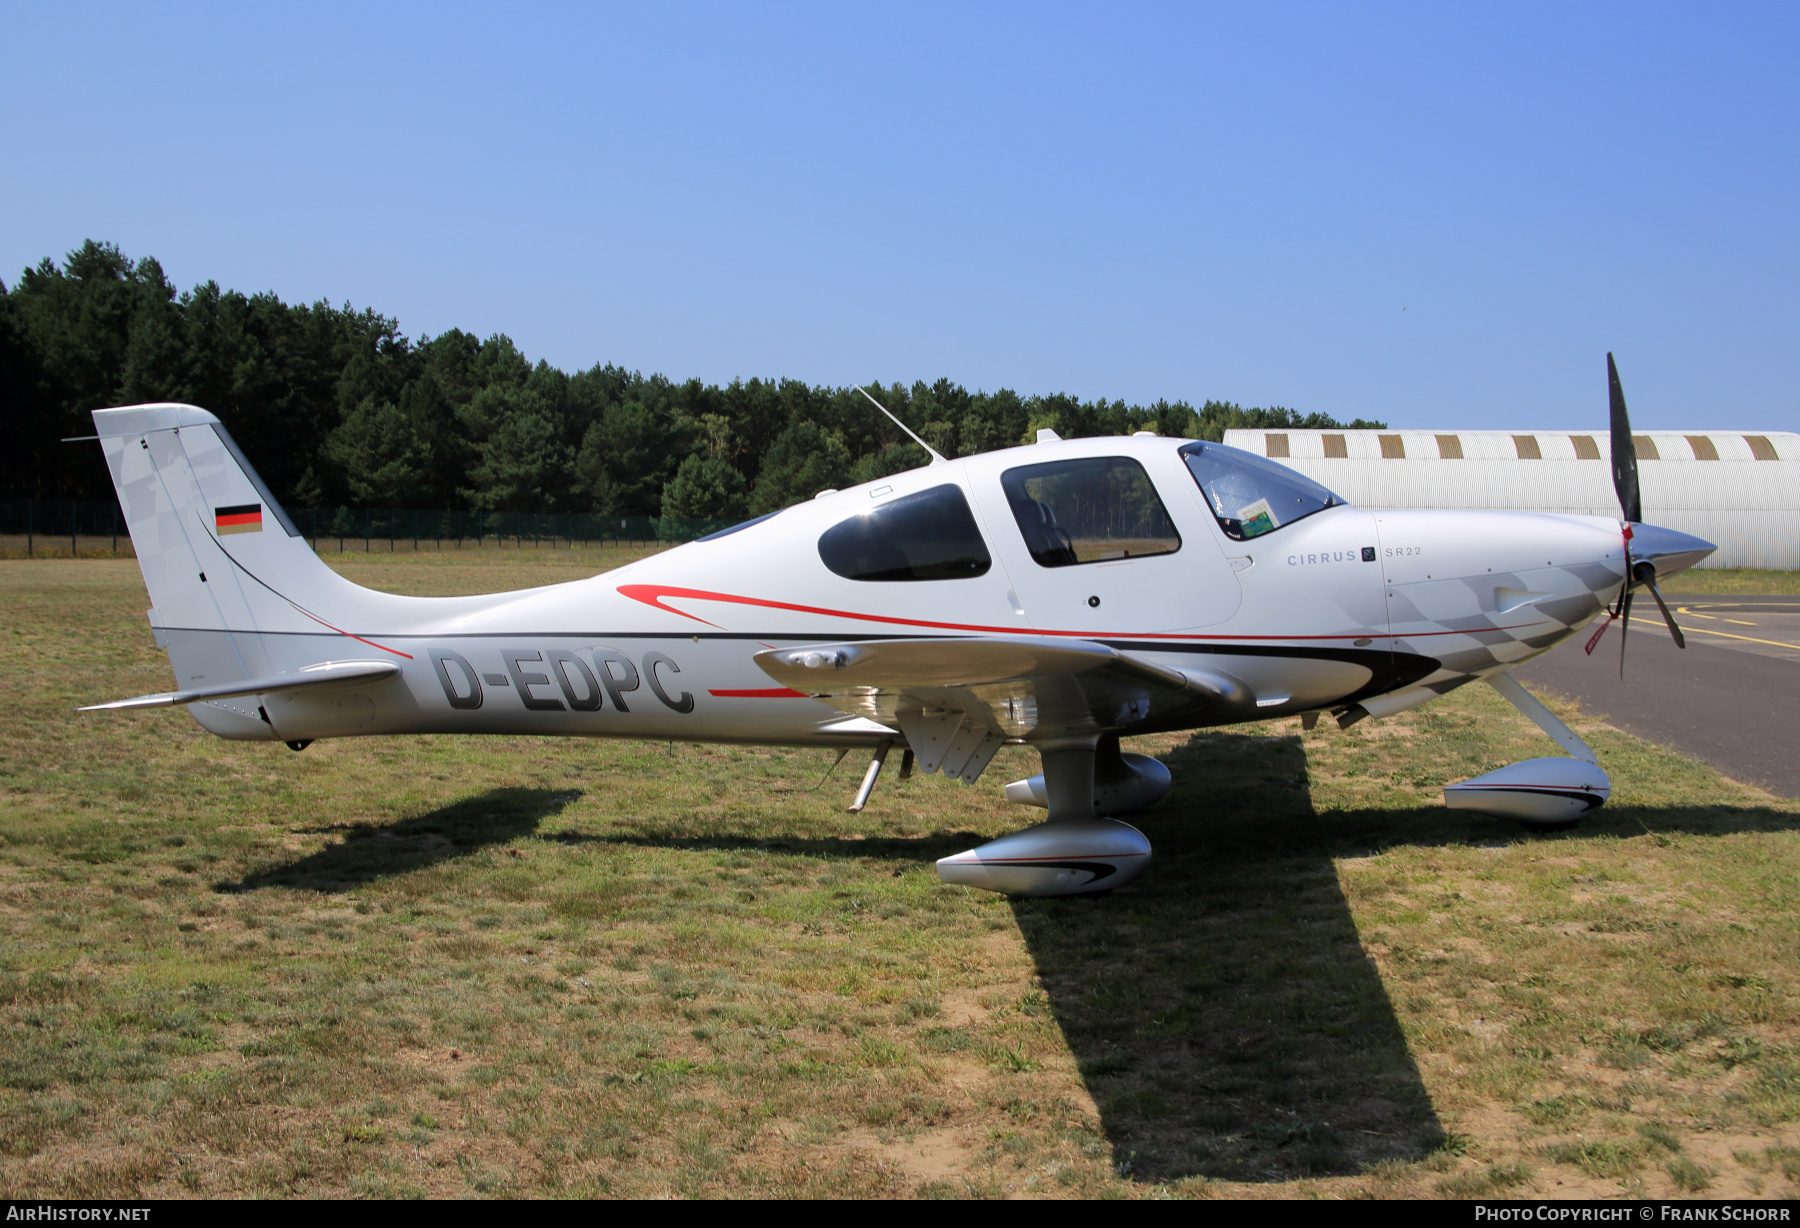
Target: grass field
518, 966
1737, 582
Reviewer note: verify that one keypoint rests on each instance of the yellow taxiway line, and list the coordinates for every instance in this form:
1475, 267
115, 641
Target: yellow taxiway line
1751, 639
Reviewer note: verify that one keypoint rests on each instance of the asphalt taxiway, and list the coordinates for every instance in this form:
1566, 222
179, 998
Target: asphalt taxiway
1731, 699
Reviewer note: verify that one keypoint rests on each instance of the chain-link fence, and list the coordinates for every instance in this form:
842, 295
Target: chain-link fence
64, 528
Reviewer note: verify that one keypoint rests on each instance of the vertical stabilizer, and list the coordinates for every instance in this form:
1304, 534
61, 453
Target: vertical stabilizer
219, 556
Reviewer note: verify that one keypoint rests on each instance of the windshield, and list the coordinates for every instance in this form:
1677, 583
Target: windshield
1250, 496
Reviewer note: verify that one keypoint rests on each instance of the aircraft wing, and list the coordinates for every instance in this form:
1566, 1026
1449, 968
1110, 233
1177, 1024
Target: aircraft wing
312, 675
959, 700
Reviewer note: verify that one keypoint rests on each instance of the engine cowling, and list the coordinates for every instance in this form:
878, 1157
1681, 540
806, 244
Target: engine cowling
1541, 793
1124, 783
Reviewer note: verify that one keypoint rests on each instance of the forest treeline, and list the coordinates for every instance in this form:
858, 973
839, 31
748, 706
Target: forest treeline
336, 407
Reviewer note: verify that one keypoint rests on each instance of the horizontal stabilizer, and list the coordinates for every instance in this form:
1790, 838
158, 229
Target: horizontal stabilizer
313, 675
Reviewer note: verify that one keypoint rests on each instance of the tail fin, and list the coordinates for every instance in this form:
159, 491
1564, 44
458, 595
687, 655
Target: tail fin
219, 556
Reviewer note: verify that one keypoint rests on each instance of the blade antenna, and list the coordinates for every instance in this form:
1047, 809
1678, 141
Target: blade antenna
937, 458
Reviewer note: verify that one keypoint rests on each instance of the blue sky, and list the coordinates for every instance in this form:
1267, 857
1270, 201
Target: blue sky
1430, 214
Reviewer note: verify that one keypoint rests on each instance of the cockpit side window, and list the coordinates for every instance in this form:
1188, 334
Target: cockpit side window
1250, 496
926, 536
1089, 511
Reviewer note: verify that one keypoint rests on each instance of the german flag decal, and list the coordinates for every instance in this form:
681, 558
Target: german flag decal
244, 519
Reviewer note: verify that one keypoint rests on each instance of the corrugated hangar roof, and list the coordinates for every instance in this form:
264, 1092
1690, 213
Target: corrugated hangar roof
1737, 488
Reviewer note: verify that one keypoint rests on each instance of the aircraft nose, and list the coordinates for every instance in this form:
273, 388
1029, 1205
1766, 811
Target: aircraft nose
1668, 550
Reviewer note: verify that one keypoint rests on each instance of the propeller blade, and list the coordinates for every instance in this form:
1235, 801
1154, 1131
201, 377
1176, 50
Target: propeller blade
1613, 612
1594, 640
1624, 450
1624, 630
1624, 611
1647, 573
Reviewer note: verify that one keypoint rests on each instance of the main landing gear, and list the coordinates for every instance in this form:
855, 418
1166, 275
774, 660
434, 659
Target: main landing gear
1078, 849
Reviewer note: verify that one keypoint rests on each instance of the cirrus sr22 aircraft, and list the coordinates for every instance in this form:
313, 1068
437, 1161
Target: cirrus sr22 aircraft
1060, 595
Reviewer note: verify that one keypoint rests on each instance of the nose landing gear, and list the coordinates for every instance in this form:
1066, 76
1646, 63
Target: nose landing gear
1543, 794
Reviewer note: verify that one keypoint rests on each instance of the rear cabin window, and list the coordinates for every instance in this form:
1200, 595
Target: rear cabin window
927, 536
1089, 511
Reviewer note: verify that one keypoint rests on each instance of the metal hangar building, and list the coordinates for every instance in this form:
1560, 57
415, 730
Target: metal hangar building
1739, 490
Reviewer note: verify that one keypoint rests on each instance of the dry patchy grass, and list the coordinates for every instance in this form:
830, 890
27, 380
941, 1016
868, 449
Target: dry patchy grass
443, 966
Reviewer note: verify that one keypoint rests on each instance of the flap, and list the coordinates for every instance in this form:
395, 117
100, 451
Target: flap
949, 662
958, 699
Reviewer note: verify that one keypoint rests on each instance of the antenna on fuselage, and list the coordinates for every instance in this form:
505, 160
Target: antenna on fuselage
937, 458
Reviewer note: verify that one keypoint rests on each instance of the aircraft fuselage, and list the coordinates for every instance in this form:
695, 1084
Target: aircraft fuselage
1343, 606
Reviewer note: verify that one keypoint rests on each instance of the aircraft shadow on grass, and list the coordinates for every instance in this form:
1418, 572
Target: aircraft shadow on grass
1224, 1013
1222, 1009
367, 853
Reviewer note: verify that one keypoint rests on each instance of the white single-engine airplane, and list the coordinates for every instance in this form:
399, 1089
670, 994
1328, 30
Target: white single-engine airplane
1058, 595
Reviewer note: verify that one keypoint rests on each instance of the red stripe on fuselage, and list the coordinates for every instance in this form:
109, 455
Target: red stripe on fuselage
772, 692
351, 634
653, 595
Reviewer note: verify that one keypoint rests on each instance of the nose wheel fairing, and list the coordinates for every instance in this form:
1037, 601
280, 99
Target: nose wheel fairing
1541, 793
